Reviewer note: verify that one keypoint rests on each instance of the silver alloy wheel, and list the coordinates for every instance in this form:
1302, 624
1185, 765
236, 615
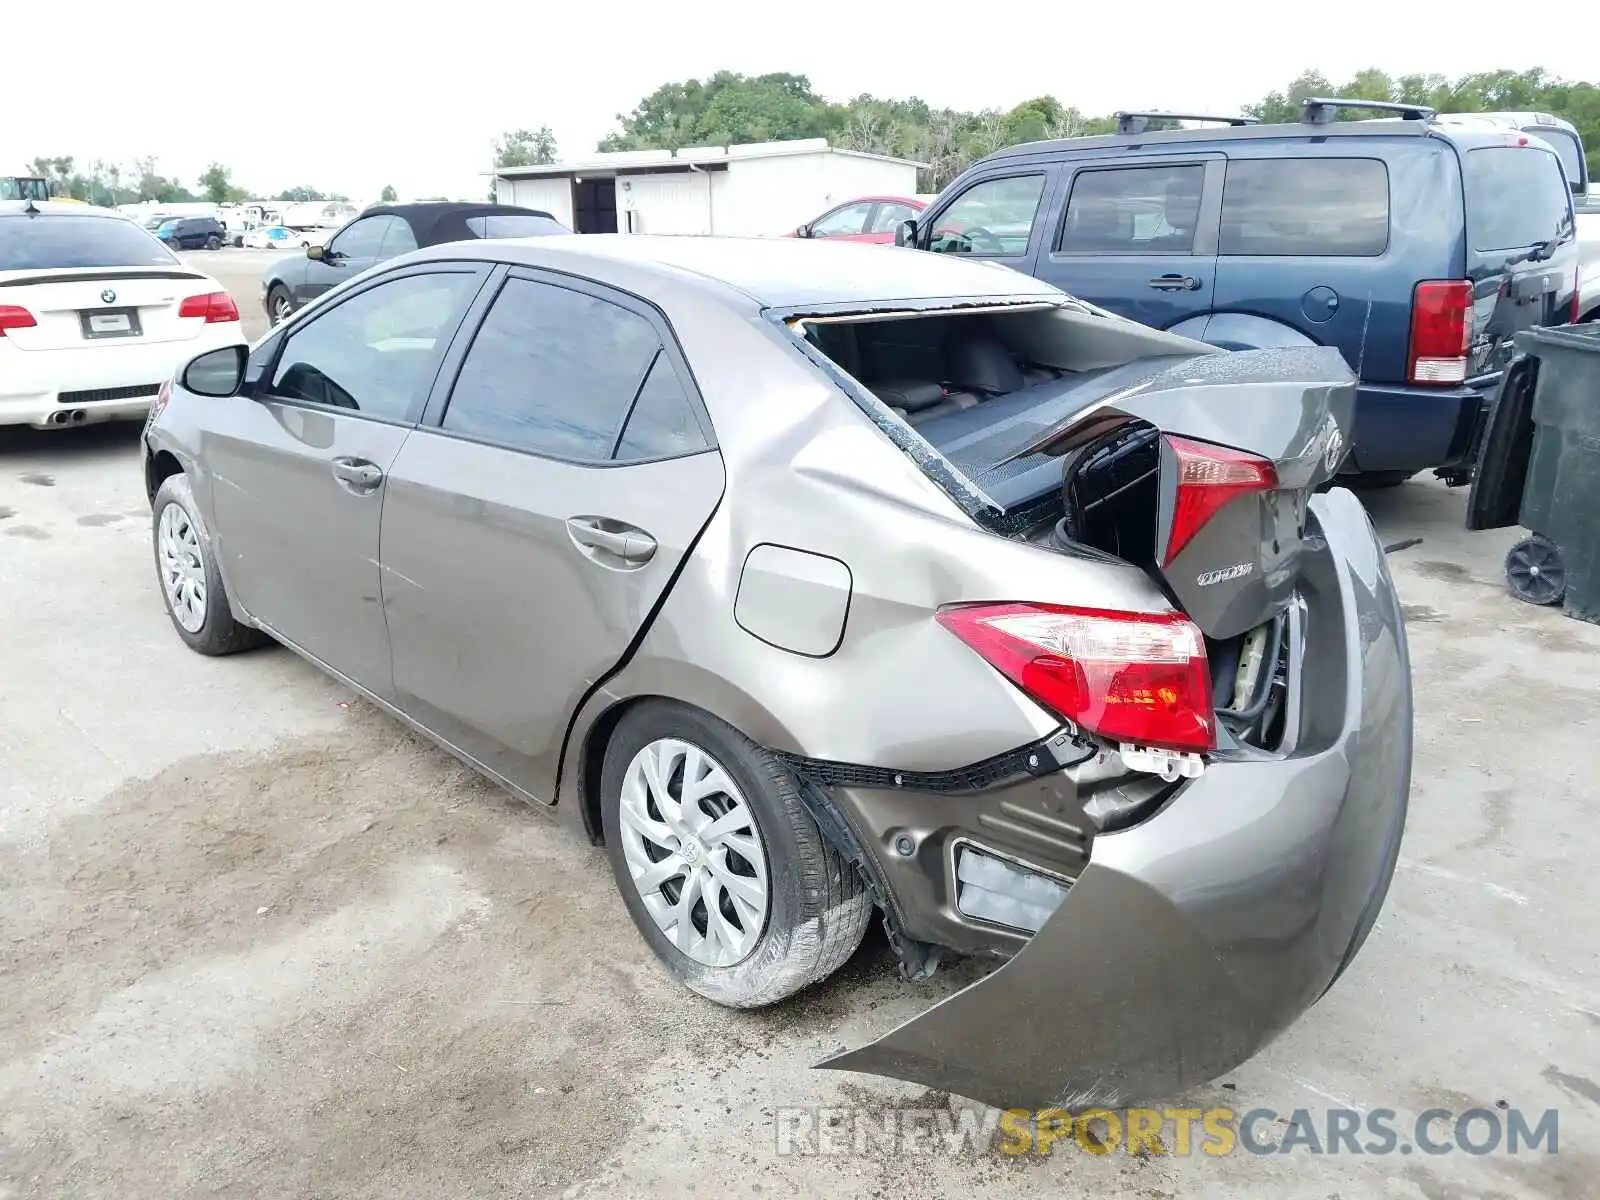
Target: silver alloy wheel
183, 570
280, 309
694, 852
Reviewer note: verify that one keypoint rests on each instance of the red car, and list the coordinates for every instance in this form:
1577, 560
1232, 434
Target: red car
868, 219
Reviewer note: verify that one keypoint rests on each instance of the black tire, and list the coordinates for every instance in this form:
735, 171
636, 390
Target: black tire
218, 633
213, 242
278, 297
1535, 573
818, 910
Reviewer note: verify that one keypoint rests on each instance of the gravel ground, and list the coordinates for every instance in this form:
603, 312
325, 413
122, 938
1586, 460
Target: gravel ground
258, 940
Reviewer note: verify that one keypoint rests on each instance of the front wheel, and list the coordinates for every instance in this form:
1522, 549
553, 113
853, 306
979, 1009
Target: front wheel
720, 864
191, 585
279, 306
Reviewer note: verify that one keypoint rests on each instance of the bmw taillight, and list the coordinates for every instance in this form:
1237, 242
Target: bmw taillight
213, 307
15, 317
1137, 678
1208, 477
1441, 331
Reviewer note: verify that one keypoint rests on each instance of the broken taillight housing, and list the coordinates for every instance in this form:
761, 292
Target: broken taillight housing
1208, 477
1138, 678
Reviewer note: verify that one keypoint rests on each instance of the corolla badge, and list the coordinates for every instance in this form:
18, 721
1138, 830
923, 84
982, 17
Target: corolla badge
1223, 574
108, 297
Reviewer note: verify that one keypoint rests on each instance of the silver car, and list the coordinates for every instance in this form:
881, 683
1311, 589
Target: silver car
817, 581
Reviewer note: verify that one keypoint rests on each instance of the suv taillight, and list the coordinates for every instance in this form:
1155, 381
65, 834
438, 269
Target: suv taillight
13, 317
1208, 477
1137, 678
1441, 331
215, 307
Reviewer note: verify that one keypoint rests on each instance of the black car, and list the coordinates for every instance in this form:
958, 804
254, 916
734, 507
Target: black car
193, 233
384, 231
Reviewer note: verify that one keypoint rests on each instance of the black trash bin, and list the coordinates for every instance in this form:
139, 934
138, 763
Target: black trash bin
1538, 466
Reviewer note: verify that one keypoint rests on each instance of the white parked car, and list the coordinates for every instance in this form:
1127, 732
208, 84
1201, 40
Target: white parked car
272, 237
96, 315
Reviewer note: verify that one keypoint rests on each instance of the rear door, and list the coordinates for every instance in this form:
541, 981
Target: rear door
529, 535
299, 465
1522, 251
1140, 239
351, 251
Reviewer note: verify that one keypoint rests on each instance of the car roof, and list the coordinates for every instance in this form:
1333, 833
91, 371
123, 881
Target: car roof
1464, 136
772, 272
57, 208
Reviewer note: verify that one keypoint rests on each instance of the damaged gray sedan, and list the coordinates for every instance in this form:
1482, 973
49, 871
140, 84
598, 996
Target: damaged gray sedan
816, 582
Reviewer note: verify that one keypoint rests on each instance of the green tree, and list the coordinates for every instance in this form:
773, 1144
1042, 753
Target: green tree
296, 195
217, 186
524, 148
388, 195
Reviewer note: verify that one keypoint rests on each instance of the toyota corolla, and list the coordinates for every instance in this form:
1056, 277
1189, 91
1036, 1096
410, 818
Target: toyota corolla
815, 582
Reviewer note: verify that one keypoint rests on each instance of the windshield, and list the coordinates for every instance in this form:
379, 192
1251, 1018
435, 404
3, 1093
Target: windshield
49, 242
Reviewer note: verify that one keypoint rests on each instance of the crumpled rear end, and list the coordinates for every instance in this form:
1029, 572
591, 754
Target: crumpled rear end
1193, 938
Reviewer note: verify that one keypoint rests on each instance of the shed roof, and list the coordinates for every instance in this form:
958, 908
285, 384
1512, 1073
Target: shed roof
623, 162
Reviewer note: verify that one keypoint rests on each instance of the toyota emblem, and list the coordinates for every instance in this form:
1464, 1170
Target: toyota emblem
108, 297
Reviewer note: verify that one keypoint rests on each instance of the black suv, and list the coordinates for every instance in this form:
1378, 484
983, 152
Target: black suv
1416, 247
385, 231
193, 233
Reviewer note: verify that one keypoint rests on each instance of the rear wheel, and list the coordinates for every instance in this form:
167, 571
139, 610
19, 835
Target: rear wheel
191, 586
1534, 571
720, 864
279, 305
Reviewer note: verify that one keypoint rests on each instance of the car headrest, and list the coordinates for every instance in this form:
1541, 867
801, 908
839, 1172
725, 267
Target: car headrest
983, 364
913, 395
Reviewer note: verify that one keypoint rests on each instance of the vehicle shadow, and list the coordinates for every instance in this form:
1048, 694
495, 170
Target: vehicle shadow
86, 443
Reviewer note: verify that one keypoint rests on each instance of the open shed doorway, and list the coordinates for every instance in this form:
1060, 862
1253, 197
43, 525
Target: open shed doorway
594, 205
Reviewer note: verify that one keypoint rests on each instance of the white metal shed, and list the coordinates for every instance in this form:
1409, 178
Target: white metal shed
763, 188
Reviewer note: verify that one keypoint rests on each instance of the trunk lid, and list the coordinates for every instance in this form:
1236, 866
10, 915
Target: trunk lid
102, 306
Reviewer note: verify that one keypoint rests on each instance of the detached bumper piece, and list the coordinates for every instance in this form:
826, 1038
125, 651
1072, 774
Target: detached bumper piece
1195, 936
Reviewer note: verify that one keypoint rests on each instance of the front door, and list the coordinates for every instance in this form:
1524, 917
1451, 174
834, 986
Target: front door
348, 253
299, 465
999, 217
528, 537
1140, 240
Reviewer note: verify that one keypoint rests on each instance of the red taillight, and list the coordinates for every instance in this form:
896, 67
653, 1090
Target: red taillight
1208, 477
12, 317
214, 307
1441, 328
1140, 678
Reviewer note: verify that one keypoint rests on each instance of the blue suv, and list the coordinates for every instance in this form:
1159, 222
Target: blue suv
1417, 248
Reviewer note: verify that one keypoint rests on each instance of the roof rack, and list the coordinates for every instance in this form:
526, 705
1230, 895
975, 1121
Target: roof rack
1321, 110
1139, 122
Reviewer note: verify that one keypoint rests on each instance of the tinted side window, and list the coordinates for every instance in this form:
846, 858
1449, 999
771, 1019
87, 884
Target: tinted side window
377, 352
363, 239
514, 225
398, 240
1516, 196
662, 423
1133, 210
1305, 206
551, 371
992, 217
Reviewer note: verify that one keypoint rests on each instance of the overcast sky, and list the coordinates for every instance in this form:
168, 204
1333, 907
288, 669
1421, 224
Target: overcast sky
363, 93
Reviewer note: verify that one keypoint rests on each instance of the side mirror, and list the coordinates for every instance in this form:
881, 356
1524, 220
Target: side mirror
316, 252
216, 372
803, 231
905, 233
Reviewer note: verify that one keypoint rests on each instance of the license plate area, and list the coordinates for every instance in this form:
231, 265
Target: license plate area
101, 323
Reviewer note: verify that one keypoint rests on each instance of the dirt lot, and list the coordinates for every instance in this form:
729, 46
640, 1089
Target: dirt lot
257, 940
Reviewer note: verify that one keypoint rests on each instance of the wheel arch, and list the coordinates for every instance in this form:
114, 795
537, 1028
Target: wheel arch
160, 467
641, 683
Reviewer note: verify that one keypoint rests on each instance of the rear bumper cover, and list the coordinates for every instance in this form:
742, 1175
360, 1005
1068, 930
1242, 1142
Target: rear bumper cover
1412, 429
1192, 939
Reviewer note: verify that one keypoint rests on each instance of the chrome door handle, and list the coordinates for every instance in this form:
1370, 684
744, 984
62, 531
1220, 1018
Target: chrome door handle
357, 472
633, 546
